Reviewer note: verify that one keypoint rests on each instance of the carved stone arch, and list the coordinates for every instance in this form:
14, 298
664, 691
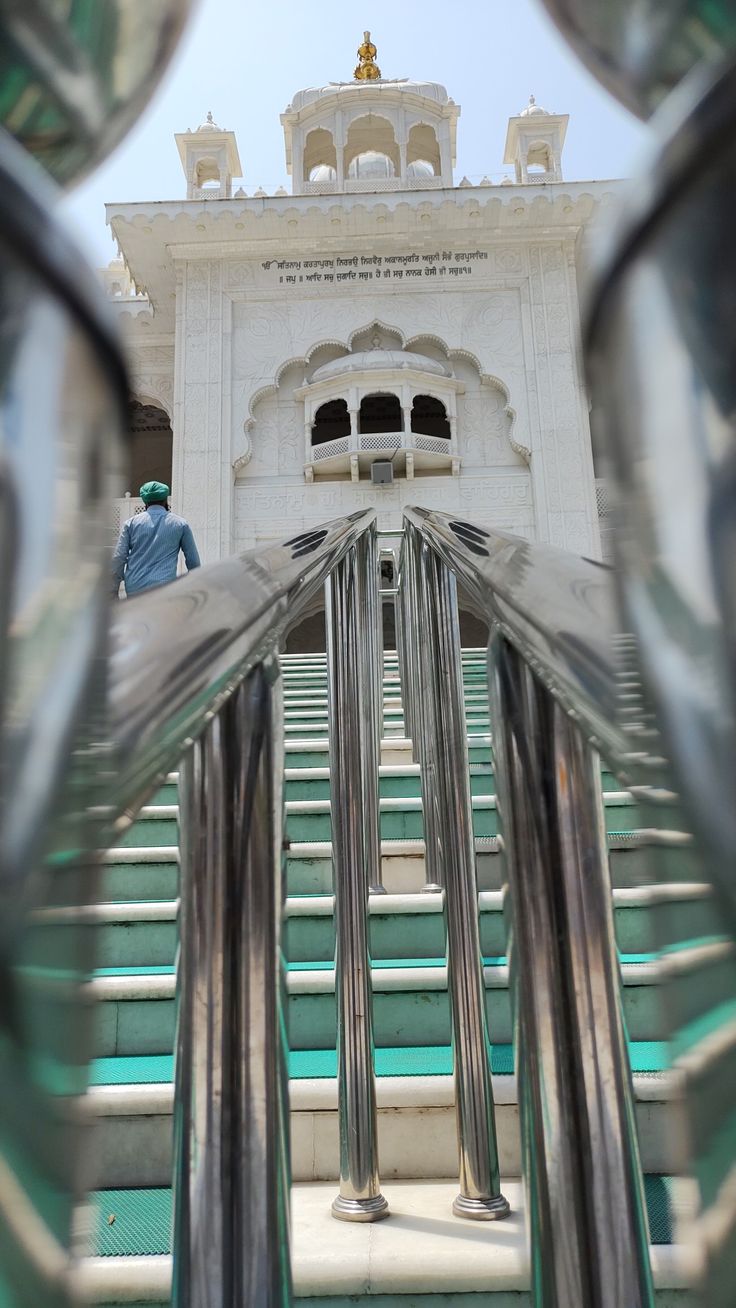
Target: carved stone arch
151, 395
298, 361
414, 341
255, 399
377, 325
329, 341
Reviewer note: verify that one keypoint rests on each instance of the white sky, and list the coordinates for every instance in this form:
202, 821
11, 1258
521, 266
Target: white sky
244, 60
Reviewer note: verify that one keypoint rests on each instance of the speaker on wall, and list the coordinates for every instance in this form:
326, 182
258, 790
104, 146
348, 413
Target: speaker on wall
382, 472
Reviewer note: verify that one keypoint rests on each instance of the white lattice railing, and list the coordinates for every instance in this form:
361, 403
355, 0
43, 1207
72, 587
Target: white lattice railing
331, 449
605, 521
125, 508
383, 441
432, 444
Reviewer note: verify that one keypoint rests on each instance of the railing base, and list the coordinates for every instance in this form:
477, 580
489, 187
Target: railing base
481, 1210
360, 1210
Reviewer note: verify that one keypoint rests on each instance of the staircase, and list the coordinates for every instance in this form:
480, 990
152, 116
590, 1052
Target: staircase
422, 1255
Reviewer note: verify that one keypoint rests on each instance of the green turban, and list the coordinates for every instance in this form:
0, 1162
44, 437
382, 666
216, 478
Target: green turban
151, 491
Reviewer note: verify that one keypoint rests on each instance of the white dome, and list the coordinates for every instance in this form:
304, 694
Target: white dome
533, 108
379, 361
371, 164
420, 168
427, 90
323, 173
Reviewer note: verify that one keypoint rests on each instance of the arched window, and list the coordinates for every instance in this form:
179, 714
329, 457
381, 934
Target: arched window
380, 412
423, 149
331, 421
429, 417
538, 159
371, 152
207, 174
150, 446
320, 156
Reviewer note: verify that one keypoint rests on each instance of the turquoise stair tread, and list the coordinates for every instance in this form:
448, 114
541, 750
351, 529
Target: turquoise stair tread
498, 960
164, 969
647, 1057
137, 1223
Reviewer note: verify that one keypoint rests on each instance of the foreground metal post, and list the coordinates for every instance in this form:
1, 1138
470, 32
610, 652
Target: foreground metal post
421, 669
371, 707
439, 632
360, 1198
231, 1243
587, 1219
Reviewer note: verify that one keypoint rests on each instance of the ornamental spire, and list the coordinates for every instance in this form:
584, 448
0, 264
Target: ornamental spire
367, 70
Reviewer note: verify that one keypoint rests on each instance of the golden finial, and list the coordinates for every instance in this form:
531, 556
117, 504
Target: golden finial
367, 70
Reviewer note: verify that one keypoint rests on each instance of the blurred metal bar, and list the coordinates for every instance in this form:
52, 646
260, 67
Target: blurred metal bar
587, 1220
480, 1184
371, 705
231, 1170
360, 1198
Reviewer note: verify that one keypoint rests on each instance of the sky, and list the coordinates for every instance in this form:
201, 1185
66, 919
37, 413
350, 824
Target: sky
244, 61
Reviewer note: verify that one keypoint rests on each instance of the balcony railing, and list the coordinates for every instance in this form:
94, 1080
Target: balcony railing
422, 450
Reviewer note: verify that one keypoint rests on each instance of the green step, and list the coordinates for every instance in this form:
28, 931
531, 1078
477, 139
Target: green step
141, 1224
648, 1057
416, 1014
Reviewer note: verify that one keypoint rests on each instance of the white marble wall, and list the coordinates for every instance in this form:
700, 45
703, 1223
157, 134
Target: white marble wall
242, 345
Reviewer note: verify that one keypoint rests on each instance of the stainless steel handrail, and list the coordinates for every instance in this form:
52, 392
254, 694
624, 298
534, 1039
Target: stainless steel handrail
194, 674
178, 652
558, 610
552, 681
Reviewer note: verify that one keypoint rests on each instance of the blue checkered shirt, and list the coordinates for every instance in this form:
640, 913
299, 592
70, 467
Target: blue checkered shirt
147, 551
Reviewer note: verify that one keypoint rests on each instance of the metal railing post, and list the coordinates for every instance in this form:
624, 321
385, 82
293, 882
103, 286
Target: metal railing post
587, 1219
360, 1198
231, 1242
424, 745
438, 635
371, 706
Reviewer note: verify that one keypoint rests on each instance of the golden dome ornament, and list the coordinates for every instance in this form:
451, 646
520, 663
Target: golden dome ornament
367, 70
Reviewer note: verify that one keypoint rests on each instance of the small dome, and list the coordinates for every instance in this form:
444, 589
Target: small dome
533, 108
378, 361
372, 165
420, 168
323, 173
209, 124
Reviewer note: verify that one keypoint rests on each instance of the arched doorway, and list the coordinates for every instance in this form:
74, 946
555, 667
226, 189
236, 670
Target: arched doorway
150, 445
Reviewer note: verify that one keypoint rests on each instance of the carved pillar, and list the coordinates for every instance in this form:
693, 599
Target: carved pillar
354, 423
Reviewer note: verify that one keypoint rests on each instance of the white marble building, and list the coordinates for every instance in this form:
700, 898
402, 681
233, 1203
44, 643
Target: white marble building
378, 315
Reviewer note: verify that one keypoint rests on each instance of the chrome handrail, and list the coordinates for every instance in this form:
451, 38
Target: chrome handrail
552, 682
558, 610
194, 675
179, 652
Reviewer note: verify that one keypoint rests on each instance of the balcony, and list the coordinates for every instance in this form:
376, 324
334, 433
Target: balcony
411, 453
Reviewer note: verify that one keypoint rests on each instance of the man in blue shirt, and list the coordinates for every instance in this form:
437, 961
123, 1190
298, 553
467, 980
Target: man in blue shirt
147, 552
